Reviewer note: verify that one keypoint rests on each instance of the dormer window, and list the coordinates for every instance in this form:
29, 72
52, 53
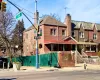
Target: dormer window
94, 36
81, 34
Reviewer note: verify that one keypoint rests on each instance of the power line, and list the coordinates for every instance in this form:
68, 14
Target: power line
23, 8
28, 15
22, 13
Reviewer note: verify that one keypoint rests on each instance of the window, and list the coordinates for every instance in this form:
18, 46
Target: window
53, 32
63, 32
81, 34
73, 34
94, 36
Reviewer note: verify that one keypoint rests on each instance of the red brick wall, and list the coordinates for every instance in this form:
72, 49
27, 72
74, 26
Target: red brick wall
64, 61
48, 36
28, 42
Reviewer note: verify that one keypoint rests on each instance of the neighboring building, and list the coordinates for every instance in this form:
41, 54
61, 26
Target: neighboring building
88, 34
58, 36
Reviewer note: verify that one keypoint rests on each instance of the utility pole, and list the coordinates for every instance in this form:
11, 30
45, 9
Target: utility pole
65, 10
37, 56
37, 37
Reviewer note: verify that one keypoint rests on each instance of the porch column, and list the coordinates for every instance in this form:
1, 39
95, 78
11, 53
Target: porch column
90, 47
96, 48
63, 48
76, 54
51, 47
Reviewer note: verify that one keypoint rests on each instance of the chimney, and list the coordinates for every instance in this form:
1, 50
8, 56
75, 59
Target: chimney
68, 24
36, 17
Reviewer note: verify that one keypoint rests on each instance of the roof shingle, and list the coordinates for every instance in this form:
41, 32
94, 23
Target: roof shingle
51, 21
86, 25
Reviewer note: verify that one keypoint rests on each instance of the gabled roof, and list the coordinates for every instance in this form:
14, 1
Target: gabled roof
85, 25
48, 20
97, 26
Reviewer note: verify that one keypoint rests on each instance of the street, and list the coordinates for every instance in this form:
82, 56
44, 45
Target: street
52, 75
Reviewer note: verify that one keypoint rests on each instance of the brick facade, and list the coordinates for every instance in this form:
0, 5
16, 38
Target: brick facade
50, 23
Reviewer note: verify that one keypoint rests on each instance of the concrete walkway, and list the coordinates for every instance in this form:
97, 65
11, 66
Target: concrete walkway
78, 67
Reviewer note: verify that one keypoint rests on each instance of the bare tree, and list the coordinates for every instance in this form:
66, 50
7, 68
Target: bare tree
56, 16
7, 22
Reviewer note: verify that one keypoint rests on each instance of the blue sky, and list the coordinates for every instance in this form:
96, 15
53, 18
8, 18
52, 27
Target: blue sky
80, 10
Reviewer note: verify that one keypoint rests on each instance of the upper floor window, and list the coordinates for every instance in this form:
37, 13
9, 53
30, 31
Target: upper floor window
94, 36
81, 34
64, 32
53, 31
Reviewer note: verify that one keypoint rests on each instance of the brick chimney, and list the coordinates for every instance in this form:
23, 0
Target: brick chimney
36, 17
68, 24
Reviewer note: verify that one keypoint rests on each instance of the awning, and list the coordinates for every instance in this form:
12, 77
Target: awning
87, 43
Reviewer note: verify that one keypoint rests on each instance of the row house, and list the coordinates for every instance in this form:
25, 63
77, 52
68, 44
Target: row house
57, 36
87, 35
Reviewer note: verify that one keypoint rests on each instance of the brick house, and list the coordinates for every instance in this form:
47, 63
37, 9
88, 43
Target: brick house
58, 36
87, 35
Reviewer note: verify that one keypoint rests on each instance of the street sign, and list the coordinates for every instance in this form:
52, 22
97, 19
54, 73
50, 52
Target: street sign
37, 37
18, 15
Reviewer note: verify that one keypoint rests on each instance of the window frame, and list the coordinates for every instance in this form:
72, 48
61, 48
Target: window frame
94, 36
53, 31
63, 32
81, 34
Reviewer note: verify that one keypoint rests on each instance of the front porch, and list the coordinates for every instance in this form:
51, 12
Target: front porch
70, 45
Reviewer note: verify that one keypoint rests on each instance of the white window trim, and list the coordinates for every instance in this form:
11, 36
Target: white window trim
95, 36
81, 34
54, 32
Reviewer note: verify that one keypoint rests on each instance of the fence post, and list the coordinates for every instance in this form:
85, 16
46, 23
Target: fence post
8, 65
3, 65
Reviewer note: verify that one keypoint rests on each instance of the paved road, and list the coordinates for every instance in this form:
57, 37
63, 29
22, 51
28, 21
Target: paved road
52, 75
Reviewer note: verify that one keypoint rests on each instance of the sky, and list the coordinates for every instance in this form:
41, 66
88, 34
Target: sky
80, 10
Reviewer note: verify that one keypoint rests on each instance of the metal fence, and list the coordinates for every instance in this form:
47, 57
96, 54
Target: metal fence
48, 59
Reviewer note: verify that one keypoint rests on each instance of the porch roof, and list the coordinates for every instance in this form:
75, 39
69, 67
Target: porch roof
87, 43
50, 41
67, 40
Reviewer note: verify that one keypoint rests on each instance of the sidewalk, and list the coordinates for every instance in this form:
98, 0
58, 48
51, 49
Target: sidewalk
28, 68
78, 67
